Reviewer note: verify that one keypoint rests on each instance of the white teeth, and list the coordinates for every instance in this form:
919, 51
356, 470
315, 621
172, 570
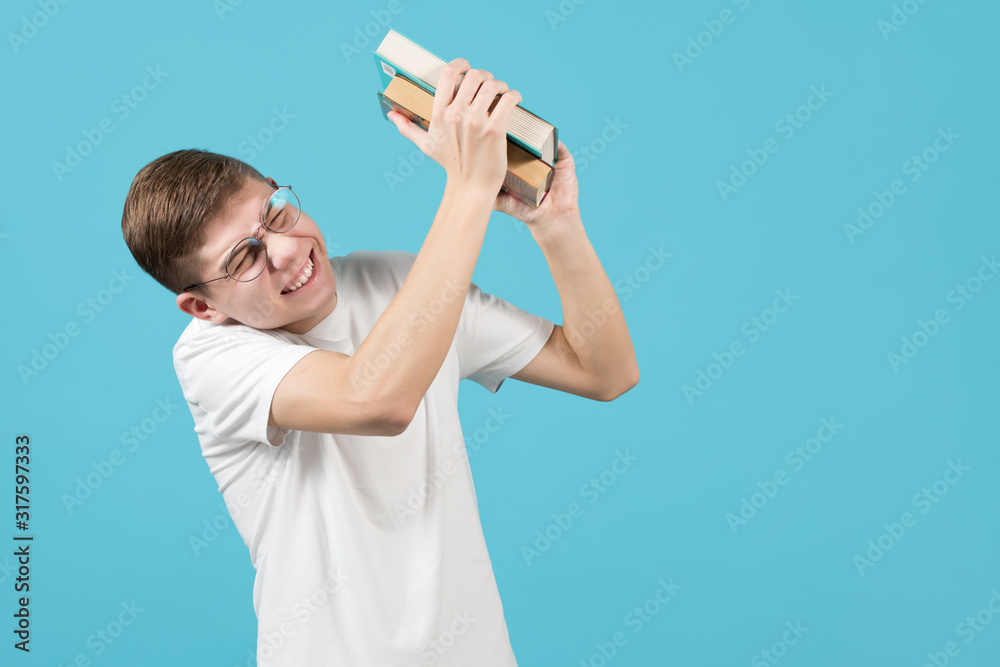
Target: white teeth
308, 271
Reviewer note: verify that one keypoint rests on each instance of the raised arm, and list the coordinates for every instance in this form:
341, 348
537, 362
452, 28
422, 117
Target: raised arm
335, 393
591, 354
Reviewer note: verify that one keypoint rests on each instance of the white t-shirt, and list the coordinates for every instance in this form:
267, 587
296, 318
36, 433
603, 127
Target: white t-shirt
368, 549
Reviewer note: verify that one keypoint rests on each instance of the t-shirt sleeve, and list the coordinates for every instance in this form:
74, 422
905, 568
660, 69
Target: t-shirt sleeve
495, 339
229, 373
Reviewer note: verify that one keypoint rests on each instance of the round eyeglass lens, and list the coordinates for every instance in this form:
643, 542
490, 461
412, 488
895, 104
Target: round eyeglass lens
282, 210
247, 260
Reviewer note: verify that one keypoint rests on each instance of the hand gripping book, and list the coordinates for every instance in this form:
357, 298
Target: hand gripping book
399, 55
528, 178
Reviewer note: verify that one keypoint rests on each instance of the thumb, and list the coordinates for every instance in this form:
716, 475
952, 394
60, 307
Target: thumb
507, 203
396, 119
407, 128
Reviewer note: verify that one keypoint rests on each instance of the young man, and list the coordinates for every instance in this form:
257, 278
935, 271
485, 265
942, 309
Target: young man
324, 390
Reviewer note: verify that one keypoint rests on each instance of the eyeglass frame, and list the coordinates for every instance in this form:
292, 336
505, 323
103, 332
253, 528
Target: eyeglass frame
256, 237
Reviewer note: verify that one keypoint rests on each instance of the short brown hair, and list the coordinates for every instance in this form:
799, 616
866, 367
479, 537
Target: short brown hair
169, 205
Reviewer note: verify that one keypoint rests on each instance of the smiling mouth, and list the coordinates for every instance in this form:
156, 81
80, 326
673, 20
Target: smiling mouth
305, 278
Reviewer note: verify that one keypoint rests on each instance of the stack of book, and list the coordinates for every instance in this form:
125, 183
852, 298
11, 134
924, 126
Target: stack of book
410, 76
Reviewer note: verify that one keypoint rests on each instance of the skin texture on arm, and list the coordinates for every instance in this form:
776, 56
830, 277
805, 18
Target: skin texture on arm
330, 392
591, 353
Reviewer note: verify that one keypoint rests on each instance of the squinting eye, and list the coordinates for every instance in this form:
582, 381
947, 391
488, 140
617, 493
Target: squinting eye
282, 210
275, 217
238, 264
243, 260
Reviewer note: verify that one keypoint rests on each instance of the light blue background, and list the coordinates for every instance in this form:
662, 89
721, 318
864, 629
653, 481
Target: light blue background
654, 185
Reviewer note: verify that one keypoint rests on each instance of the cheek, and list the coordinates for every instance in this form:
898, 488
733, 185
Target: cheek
309, 227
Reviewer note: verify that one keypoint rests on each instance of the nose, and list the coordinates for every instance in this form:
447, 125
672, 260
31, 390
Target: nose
282, 250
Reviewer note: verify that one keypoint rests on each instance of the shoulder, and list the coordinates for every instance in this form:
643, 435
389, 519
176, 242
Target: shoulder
200, 338
380, 267
375, 259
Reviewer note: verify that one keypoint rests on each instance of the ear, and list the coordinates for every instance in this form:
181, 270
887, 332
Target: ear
271, 181
196, 306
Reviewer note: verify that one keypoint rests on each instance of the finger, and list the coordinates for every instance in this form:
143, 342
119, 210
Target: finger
408, 129
507, 203
488, 96
563, 157
474, 78
503, 108
445, 92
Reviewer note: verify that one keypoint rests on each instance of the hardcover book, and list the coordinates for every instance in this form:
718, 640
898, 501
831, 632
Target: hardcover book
528, 178
399, 55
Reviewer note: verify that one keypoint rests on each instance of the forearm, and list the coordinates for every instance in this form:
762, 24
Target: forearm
593, 323
404, 351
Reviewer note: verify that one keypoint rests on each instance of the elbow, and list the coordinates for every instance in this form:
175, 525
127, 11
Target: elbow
398, 424
396, 418
386, 414
611, 390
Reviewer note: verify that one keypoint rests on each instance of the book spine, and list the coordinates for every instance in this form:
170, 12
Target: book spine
385, 66
386, 70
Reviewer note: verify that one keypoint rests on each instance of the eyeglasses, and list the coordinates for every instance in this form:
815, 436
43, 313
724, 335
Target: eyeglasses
248, 259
